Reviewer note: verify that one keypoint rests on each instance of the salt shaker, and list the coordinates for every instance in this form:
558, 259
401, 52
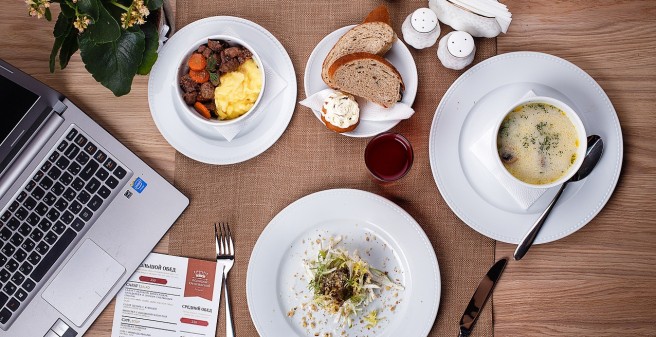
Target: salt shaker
421, 28
456, 50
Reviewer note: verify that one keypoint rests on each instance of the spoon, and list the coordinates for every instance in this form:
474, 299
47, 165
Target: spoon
592, 156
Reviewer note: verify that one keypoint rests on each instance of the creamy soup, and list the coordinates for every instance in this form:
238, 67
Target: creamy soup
537, 143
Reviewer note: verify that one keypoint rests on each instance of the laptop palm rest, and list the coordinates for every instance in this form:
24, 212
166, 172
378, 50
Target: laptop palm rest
83, 282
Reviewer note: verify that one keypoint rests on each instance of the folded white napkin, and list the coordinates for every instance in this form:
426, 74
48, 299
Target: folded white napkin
482, 149
368, 111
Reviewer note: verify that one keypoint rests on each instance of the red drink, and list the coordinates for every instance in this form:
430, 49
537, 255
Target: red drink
388, 156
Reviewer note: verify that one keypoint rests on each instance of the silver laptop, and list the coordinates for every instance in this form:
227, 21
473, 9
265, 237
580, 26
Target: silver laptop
78, 212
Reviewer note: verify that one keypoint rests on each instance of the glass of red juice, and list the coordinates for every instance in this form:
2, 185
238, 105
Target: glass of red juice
388, 156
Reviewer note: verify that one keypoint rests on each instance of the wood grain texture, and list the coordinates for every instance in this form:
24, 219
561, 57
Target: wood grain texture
600, 280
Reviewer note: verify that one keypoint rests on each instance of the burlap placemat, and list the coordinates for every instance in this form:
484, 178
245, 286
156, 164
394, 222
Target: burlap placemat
309, 158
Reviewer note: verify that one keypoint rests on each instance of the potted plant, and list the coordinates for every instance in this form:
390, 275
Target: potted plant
117, 39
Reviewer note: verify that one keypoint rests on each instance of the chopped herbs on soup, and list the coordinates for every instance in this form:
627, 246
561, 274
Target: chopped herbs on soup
537, 143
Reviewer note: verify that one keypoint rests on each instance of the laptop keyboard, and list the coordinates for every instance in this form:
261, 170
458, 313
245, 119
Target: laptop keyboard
50, 211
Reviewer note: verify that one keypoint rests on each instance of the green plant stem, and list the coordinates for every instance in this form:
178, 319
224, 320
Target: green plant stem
127, 9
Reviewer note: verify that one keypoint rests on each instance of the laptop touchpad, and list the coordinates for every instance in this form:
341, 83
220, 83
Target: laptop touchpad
83, 282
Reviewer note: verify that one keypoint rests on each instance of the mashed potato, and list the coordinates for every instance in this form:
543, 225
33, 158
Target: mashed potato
238, 91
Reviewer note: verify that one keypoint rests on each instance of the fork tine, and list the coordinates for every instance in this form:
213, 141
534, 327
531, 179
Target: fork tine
216, 240
224, 239
232, 244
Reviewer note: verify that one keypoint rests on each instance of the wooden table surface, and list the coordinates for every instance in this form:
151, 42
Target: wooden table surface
599, 281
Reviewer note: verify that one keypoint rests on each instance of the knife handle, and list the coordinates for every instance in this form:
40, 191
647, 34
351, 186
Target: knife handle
464, 333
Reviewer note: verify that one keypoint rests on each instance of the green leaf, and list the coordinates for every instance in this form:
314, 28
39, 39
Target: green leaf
114, 64
62, 26
68, 11
154, 4
90, 8
150, 53
68, 48
62, 29
48, 14
105, 29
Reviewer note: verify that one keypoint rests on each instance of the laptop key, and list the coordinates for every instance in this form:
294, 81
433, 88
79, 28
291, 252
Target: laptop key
50, 198
86, 214
110, 165
67, 217
8, 250
9, 288
46, 183
69, 194
53, 156
25, 229
51, 237
18, 279
71, 134
90, 148
5, 315
13, 206
33, 219
21, 213
17, 239
38, 175
13, 223
38, 193
53, 214
36, 235
102, 174
75, 207
29, 285
93, 185
58, 188
21, 196
61, 205
71, 151
54, 173
29, 203
20, 255
100, 156
74, 168
95, 203
77, 184
30, 186
59, 227
11, 266
4, 276
20, 295
3, 260
5, 216
66, 178
112, 182
78, 224
80, 140
89, 170
44, 225
5, 233
104, 192
82, 158
84, 197
62, 146
46, 166
34, 258
28, 245
13, 304
62, 163
3, 299
120, 172
42, 248
53, 255
26, 268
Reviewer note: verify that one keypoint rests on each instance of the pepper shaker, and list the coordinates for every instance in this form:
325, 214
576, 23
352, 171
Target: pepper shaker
421, 28
456, 50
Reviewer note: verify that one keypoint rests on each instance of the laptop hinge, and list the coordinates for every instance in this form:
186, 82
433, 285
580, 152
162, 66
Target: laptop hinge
60, 107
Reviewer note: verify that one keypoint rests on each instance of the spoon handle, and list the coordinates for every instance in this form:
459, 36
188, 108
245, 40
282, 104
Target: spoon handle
528, 239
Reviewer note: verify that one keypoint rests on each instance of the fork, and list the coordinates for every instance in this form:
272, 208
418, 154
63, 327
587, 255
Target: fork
225, 256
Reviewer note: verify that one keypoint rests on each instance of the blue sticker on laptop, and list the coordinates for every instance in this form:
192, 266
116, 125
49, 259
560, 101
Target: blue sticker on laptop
139, 185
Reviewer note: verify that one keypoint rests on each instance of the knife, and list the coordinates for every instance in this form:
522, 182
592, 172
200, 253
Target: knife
480, 297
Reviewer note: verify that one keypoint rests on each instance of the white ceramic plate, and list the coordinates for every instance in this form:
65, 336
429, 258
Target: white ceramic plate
203, 143
467, 109
386, 237
398, 55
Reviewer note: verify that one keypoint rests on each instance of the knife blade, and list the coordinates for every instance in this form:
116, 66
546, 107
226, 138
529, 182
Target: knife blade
481, 295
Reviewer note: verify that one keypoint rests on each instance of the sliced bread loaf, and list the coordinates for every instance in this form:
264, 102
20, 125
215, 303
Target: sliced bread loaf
374, 36
368, 76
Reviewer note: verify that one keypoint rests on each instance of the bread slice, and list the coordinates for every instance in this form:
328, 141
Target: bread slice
368, 76
375, 35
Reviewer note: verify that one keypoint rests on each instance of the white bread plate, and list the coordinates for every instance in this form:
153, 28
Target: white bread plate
183, 69
399, 55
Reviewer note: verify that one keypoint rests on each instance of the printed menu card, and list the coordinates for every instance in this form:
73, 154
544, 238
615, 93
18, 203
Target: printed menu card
169, 296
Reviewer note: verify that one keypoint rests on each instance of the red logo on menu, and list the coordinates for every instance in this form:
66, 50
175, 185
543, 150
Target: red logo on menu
200, 279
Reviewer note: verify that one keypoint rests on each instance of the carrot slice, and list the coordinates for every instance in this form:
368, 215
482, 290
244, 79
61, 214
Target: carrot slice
197, 62
203, 110
200, 76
